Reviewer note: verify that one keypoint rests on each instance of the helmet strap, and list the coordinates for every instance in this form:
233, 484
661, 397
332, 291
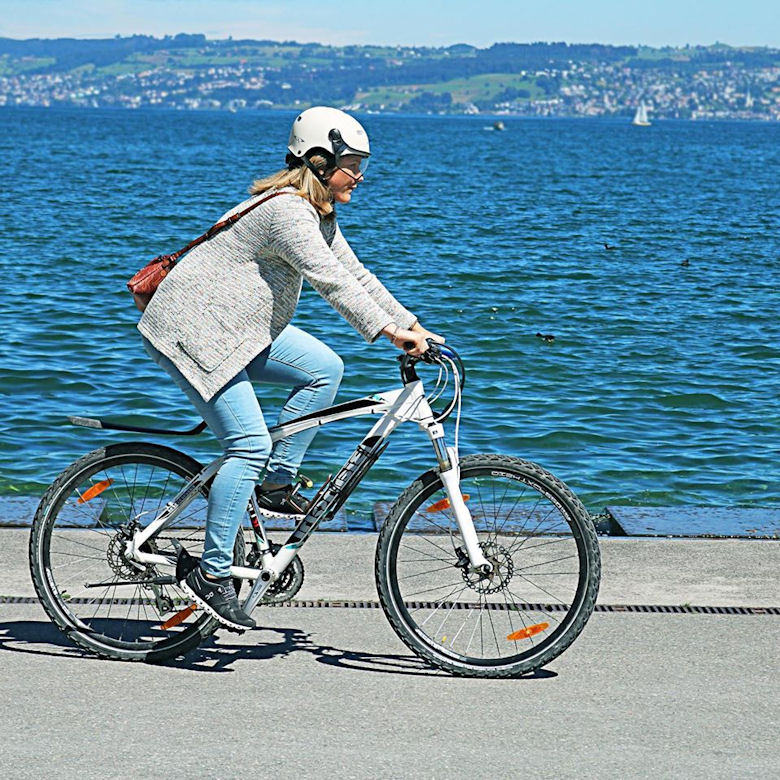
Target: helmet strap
292, 161
313, 168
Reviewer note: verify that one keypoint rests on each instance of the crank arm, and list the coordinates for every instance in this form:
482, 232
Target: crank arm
259, 587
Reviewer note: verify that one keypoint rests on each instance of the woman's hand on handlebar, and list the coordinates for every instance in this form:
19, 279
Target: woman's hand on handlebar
412, 342
427, 333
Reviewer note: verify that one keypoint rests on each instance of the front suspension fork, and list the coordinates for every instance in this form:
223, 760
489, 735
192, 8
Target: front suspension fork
449, 471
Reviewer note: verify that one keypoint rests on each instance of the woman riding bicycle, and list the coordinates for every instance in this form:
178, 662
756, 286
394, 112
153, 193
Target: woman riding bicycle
221, 320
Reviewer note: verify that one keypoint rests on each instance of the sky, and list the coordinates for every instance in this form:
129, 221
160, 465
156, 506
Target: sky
406, 22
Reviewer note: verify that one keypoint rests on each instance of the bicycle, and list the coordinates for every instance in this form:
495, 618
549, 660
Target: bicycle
486, 566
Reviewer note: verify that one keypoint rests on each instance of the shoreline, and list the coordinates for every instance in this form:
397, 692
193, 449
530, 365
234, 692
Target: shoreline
678, 522
620, 119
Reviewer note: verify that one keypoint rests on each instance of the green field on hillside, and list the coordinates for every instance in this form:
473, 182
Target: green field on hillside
10, 66
463, 90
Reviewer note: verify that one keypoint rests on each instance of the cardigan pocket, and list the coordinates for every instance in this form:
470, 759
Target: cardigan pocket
211, 341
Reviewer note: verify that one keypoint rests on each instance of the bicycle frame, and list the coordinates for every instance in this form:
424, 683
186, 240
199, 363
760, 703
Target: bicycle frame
408, 404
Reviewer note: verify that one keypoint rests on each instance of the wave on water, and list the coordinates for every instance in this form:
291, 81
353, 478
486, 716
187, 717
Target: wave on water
694, 401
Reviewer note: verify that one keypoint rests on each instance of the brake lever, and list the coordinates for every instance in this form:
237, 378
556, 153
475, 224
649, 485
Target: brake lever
433, 353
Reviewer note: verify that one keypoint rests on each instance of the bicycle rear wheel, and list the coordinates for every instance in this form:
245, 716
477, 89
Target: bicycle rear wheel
103, 601
544, 551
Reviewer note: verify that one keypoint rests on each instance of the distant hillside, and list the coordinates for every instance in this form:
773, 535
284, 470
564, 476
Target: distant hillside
189, 71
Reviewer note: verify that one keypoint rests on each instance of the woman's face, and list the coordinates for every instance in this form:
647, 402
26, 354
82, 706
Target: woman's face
345, 178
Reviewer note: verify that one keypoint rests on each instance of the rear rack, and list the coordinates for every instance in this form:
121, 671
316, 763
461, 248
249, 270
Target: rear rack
107, 425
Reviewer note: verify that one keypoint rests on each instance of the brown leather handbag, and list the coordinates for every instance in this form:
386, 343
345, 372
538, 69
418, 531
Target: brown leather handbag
144, 284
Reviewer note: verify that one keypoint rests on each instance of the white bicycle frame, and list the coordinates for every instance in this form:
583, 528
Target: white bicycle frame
408, 404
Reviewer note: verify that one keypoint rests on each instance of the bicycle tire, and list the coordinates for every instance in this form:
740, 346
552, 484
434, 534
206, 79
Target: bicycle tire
531, 527
79, 530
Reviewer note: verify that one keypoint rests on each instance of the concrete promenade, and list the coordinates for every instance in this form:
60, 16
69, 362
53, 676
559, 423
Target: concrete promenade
323, 692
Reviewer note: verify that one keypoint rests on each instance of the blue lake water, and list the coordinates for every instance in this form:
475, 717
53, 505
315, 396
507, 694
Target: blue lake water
660, 388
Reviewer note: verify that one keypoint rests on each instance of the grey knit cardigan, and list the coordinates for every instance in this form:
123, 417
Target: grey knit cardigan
228, 299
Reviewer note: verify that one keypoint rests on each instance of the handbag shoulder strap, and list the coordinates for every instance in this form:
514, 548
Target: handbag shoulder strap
232, 219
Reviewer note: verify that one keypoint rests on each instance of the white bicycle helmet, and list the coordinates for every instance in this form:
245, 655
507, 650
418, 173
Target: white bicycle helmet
330, 130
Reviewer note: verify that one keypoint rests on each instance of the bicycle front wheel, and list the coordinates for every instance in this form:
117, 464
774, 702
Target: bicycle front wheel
544, 553
89, 586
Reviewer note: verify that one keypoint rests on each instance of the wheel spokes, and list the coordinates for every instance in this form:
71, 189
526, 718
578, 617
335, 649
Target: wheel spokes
89, 546
494, 618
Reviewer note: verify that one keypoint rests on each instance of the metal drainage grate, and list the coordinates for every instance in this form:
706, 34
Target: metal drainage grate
683, 609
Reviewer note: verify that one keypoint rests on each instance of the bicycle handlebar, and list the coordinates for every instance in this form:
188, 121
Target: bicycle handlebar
433, 355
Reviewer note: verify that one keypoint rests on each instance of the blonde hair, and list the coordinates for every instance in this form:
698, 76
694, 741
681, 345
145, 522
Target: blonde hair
303, 180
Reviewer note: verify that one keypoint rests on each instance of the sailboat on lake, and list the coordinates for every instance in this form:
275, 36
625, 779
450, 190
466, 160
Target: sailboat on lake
640, 117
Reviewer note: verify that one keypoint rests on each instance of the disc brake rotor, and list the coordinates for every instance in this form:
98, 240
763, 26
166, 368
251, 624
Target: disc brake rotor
121, 565
502, 569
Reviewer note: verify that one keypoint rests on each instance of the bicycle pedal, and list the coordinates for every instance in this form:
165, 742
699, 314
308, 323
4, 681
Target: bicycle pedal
232, 630
303, 481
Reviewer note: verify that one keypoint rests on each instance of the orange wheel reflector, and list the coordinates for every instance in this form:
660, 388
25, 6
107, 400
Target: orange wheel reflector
95, 490
179, 617
525, 633
443, 504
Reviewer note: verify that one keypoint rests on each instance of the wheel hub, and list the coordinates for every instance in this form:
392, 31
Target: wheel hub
123, 566
501, 572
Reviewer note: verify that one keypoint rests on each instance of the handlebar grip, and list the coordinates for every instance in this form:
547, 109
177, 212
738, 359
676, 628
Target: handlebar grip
407, 345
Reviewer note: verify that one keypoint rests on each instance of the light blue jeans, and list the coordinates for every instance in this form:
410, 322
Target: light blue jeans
234, 415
